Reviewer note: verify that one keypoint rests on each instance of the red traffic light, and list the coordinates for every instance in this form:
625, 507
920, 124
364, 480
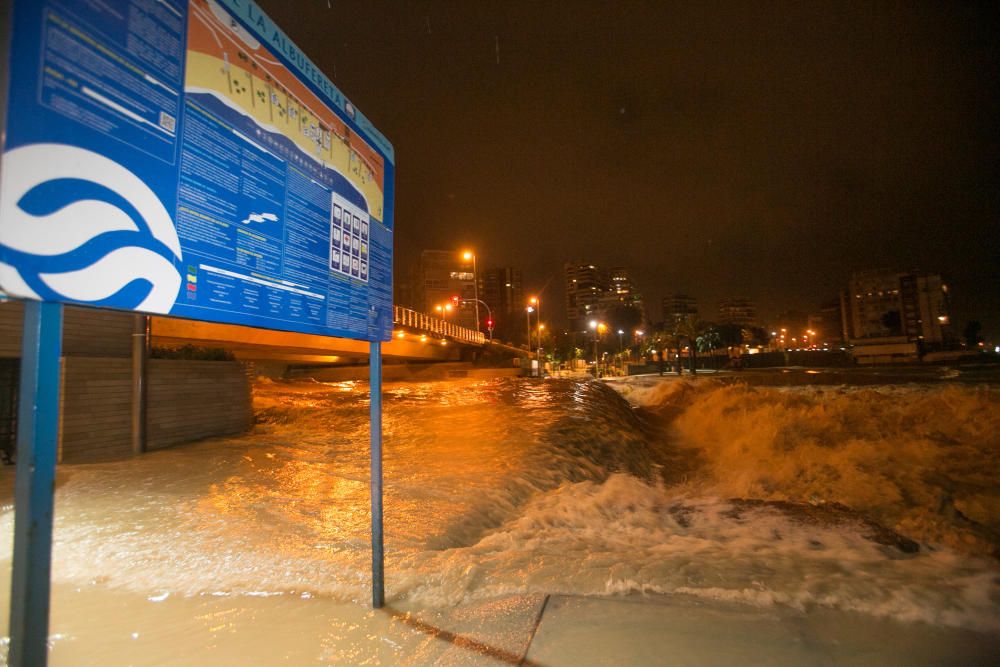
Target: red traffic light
489, 323
454, 299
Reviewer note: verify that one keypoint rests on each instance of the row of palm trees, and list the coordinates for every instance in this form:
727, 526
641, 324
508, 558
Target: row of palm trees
692, 336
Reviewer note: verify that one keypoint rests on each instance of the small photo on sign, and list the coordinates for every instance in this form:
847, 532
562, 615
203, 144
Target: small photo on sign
355, 245
336, 213
335, 259
336, 236
357, 225
355, 266
364, 251
364, 270
364, 230
347, 240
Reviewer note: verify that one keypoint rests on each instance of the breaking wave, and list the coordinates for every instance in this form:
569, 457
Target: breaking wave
880, 500
922, 459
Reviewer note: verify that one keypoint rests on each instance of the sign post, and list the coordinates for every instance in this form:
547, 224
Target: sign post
182, 158
37, 443
378, 559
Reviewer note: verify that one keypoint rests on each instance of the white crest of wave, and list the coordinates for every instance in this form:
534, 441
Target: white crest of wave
923, 460
28, 166
70, 227
115, 270
625, 536
66, 229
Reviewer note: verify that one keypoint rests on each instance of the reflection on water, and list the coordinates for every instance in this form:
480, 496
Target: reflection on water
523, 486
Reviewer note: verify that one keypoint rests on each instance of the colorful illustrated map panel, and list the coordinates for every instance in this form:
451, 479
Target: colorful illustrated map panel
183, 157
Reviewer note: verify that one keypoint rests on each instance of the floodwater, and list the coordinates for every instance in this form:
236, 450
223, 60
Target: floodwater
878, 500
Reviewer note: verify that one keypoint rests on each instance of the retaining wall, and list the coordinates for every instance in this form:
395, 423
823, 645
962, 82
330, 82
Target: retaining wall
188, 400
87, 332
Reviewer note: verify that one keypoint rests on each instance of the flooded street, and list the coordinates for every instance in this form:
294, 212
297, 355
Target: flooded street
877, 501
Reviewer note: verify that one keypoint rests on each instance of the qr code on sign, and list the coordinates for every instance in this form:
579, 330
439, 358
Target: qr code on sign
167, 122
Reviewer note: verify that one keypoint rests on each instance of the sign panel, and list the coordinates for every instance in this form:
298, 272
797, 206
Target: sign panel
184, 157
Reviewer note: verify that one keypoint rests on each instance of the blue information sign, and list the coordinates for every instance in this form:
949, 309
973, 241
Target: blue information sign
184, 157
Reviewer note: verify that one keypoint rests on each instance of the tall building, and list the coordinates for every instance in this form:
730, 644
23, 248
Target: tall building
832, 323
443, 275
885, 303
503, 291
621, 291
593, 292
586, 285
678, 307
739, 311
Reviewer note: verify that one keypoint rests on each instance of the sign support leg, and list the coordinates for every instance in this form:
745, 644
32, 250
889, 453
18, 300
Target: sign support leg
37, 443
378, 559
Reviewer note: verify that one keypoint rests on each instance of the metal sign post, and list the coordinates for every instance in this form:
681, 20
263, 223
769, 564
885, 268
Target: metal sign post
37, 443
122, 160
378, 558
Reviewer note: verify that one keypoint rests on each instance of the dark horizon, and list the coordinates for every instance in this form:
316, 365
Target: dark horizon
767, 152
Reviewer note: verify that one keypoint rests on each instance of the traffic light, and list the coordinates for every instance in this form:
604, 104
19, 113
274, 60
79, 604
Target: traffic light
489, 324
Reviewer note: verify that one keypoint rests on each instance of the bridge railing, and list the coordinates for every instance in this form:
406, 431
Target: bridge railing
413, 319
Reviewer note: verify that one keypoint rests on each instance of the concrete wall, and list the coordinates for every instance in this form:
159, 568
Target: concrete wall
11, 313
188, 400
87, 332
96, 409
405, 372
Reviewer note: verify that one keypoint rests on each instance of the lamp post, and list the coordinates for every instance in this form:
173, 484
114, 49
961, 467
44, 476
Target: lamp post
489, 313
537, 305
620, 362
638, 343
467, 256
443, 310
599, 328
527, 314
538, 352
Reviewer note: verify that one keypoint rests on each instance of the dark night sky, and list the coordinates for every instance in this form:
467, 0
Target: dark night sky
767, 150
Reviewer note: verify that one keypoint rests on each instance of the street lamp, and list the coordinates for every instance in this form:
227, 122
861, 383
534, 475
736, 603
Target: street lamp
527, 314
538, 352
597, 369
489, 312
468, 255
537, 305
599, 328
619, 362
443, 310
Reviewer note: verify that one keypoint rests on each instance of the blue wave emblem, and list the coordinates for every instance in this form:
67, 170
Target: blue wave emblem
79, 227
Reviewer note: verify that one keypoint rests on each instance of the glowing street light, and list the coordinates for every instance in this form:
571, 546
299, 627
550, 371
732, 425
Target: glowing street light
536, 303
599, 329
527, 314
470, 256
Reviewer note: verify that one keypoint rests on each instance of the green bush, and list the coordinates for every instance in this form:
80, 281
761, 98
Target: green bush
192, 353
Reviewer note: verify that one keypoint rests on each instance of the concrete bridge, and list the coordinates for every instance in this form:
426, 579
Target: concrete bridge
416, 337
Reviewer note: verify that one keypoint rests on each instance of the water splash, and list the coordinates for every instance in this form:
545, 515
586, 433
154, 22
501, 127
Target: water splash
530, 486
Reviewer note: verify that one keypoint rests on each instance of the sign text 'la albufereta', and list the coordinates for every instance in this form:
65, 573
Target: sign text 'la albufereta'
185, 157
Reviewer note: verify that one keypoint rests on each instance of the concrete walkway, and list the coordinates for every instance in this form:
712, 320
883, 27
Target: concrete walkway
556, 630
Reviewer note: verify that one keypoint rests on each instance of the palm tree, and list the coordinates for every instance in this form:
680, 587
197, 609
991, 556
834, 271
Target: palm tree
689, 330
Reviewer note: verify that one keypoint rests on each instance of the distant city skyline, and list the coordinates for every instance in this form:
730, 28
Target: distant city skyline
771, 151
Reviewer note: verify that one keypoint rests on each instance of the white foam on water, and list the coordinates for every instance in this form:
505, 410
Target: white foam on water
518, 487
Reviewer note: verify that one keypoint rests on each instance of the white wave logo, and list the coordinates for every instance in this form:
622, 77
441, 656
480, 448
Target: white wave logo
75, 225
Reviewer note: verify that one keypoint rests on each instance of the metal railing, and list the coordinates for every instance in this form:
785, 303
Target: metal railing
406, 317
